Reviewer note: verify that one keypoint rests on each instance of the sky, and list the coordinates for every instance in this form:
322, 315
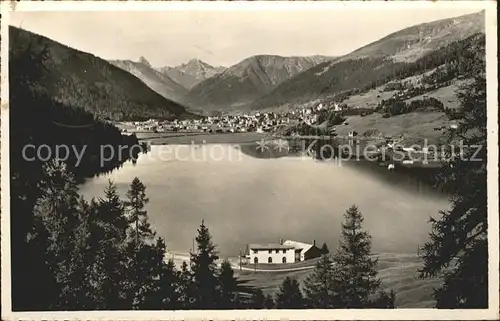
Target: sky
222, 38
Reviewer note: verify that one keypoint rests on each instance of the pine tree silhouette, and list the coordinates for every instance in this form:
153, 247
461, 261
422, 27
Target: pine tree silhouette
228, 287
258, 300
319, 286
289, 295
355, 276
458, 239
324, 249
204, 267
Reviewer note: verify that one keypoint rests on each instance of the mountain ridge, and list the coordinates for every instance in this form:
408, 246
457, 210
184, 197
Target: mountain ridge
250, 78
191, 73
83, 80
157, 81
373, 62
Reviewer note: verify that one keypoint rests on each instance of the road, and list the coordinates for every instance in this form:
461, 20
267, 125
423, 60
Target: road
179, 258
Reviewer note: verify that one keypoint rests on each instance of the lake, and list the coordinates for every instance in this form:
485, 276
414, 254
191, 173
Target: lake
244, 199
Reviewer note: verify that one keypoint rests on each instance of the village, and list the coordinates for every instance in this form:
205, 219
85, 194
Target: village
252, 122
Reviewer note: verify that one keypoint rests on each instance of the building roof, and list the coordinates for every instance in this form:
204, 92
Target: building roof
298, 245
269, 246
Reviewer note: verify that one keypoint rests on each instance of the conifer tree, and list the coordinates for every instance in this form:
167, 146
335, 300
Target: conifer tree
319, 286
137, 200
169, 287
152, 276
324, 249
204, 267
145, 256
258, 300
110, 242
384, 300
228, 286
289, 295
186, 287
60, 213
113, 213
458, 241
355, 276
269, 302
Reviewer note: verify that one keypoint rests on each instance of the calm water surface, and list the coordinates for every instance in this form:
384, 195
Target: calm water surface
249, 200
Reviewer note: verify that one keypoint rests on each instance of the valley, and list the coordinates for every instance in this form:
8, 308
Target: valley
203, 180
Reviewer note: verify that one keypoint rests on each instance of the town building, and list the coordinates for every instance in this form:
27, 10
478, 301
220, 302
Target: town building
283, 252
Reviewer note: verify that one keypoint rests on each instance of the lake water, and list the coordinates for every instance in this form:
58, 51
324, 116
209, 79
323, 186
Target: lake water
250, 200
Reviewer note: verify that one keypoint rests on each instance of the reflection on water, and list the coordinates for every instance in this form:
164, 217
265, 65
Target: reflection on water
249, 200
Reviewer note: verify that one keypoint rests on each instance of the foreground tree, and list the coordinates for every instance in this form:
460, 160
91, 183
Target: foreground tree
109, 233
319, 286
458, 241
186, 287
60, 212
269, 302
324, 249
355, 276
146, 269
228, 287
258, 300
289, 295
204, 268
137, 200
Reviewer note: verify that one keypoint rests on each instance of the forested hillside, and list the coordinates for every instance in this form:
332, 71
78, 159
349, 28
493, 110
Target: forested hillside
43, 129
82, 80
249, 79
356, 76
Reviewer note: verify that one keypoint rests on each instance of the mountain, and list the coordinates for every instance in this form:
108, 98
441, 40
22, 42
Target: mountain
249, 79
78, 79
414, 42
411, 50
191, 73
154, 79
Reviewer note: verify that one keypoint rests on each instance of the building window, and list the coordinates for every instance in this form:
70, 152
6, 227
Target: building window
284, 251
270, 260
255, 260
270, 251
277, 251
284, 259
254, 251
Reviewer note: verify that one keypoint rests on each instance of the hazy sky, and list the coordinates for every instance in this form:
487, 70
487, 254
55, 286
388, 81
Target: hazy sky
222, 37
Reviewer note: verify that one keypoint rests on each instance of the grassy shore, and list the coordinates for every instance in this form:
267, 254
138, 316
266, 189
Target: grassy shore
396, 271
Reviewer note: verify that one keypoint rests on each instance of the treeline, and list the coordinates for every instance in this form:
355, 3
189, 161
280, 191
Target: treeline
396, 106
42, 129
40, 124
458, 242
79, 79
103, 254
345, 280
455, 60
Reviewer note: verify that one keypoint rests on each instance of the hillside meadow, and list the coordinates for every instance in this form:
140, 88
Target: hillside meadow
396, 271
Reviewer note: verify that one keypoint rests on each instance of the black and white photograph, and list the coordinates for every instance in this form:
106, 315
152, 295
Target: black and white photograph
313, 160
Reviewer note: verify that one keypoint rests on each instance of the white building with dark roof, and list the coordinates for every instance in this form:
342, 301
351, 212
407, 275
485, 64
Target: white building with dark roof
283, 252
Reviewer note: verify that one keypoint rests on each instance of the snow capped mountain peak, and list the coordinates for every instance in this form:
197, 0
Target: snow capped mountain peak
199, 69
144, 61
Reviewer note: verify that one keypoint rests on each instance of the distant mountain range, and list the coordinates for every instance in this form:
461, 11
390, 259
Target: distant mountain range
82, 80
154, 79
249, 79
203, 87
257, 82
191, 73
376, 62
